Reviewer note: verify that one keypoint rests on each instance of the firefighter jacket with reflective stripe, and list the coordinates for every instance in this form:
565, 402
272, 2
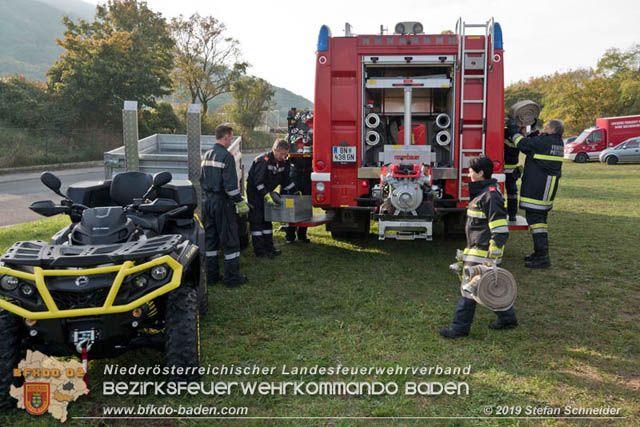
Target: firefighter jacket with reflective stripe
511, 156
486, 220
266, 174
218, 174
542, 170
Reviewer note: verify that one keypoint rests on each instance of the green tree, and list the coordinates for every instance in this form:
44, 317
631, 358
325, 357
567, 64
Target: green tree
207, 60
125, 54
251, 98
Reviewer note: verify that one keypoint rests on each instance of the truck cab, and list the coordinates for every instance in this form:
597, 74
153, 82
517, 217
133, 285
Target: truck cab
587, 146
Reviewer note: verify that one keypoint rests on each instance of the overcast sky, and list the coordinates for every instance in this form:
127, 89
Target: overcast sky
540, 37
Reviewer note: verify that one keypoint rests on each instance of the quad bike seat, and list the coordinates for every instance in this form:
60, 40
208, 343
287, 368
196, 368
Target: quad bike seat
127, 186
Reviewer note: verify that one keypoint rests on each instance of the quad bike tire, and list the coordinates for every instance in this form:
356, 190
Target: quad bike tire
182, 331
9, 356
203, 290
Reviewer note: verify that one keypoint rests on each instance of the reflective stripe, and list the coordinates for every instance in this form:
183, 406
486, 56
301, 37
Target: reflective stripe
474, 251
232, 255
545, 196
233, 192
211, 253
510, 167
501, 229
473, 258
290, 186
537, 202
509, 143
539, 225
553, 185
256, 233
475, 214
517, 138
497, 223
260, 186
213, 163
534, 207
539, 230
546, 157
281, 169
267, 231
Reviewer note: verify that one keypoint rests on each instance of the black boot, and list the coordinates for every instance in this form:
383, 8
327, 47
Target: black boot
213, 270
233, 278
462, 318
506, 319
529, 257
539, 262
258, 243
302, 235
290, 235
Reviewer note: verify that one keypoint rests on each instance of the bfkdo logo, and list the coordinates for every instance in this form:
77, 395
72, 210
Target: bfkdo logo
37, 397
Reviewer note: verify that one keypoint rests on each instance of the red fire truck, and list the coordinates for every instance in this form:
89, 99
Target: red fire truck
608, 132
397, 118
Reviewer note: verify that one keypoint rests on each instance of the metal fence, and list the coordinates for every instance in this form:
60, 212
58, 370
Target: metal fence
27, 147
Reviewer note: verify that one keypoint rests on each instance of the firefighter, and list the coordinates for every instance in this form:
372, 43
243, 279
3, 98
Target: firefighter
542, 171
513, 172
487, 232
267, 171
301, 169
222, 199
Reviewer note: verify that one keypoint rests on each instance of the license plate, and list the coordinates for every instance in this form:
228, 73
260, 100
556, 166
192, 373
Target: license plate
344, 154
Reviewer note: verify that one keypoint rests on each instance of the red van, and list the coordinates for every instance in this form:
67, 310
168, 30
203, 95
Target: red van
608, 132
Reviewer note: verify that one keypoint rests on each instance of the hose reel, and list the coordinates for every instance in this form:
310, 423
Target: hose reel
372, 120
372, 138
524, 113
491, 286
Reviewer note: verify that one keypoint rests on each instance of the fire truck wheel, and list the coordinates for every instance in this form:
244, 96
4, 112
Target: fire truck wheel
612, 160
581, 158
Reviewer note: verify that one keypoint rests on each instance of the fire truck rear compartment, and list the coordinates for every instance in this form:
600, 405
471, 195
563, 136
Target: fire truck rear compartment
383, 110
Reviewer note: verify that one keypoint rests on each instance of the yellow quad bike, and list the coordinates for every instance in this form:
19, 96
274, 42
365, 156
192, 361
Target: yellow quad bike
127, 272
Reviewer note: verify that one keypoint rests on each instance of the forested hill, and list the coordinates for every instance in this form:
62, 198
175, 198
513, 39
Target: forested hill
28, 31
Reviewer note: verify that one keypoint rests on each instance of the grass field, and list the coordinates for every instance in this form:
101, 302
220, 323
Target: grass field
368, 303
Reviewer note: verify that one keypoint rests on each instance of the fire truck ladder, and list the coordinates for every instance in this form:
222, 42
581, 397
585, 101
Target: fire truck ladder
476, 60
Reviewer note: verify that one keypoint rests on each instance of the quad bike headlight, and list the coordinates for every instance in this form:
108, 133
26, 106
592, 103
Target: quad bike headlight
140, 281
159, 272
27, 290
9, 283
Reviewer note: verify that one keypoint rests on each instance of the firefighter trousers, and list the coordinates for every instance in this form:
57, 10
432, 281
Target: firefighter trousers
466, 309
292, 231
537, 220
221, 229
511, 188
261, 230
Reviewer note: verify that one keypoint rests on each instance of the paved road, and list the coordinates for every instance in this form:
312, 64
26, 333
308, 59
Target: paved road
18, 191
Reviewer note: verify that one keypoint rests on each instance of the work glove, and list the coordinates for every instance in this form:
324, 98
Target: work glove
298, 193
511, 130
242, 207
272, 199
495, 251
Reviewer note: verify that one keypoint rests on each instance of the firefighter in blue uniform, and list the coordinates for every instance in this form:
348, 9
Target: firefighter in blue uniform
487, 232
513, 172
222, 198
267, 171
542, 171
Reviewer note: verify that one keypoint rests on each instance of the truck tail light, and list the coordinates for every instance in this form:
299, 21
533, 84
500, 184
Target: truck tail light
364, 183
320, 165
320, 198
319, 186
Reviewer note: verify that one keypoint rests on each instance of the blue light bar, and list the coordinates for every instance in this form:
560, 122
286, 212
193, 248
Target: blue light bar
323, 38
497, 36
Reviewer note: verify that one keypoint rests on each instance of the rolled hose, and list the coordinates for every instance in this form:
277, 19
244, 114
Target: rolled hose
491, 286
372, 120
443, 121
372, 138
524, 113
443, 138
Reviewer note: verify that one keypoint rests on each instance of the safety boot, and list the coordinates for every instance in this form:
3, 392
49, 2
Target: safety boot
529, 257
506, 320
452, 333
539, 262
236, 281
